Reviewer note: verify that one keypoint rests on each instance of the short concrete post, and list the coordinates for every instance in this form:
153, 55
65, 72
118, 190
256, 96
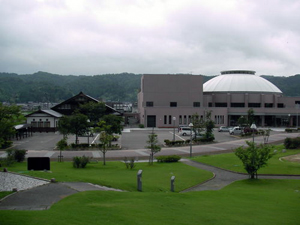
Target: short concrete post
172, 183
139, 180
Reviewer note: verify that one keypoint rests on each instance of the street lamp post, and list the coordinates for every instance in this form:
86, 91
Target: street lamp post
88, 132
191, 126
253, 127
297, 107
174, 119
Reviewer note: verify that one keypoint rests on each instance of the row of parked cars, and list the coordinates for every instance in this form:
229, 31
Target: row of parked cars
186, 131
237, 130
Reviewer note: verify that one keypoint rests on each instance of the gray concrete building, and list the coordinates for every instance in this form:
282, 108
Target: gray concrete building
170, 100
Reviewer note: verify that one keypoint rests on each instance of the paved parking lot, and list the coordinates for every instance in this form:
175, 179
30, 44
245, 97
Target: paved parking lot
129, 140
134, 140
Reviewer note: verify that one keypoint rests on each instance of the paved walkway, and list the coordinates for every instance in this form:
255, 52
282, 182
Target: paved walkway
223, 178
37, 196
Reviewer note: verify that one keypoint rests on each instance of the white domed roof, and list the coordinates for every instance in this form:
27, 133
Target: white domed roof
239, 81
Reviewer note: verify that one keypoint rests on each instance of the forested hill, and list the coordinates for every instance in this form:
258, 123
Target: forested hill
46, 87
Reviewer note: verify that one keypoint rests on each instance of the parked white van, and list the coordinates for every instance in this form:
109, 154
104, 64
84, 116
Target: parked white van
236, 130
183, 131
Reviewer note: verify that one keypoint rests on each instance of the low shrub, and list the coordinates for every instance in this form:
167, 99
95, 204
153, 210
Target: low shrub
167, 142
141, 126
172, 143
17, 154
168, 158
80, 162
290, 130
206, 139
6, 144
292, 143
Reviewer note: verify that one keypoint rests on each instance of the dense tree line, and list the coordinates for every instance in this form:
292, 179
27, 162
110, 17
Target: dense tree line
46, 87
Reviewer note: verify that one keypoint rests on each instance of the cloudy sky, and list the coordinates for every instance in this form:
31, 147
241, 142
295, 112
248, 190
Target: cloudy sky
89, 37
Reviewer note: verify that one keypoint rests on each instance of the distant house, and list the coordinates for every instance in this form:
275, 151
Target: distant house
47, 120
43, 120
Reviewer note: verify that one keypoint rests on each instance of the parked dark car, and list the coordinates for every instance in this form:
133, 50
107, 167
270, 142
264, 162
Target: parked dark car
248, 130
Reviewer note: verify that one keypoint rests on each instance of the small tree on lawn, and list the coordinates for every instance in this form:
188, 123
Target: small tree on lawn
76, 124
209, 126
254, 157
61, 145
153, 146
266, 135
105, 139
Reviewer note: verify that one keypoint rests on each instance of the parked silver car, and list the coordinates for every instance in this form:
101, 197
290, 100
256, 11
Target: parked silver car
236, 130
223, 129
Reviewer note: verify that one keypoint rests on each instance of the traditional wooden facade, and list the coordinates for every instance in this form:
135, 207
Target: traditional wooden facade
47, 120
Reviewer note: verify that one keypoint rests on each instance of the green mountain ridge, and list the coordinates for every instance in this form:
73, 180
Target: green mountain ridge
47, 87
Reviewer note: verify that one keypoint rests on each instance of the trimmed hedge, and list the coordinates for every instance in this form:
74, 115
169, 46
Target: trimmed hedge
290, 130
168, 158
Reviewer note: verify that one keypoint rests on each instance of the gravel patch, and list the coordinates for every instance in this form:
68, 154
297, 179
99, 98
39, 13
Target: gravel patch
10, 181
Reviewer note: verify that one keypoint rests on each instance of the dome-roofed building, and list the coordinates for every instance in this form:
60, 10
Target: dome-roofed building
239, 81
169, 100
231, 94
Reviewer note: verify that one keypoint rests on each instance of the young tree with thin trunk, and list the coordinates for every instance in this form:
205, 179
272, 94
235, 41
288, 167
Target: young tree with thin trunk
105, 139
254, 157
153, 146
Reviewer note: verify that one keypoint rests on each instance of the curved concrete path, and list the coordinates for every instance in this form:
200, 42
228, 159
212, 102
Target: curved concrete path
44, 196
223, 178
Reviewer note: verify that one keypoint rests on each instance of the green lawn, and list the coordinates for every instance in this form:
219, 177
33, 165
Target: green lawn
275, 166
243, 202
155, 178
4, 193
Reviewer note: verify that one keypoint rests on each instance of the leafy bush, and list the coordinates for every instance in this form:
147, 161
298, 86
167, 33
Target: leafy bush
19, 155
7, 161
6, 144
167, 142
168, 158
292, 143
80, 162
290, 130
141, 126
16, 154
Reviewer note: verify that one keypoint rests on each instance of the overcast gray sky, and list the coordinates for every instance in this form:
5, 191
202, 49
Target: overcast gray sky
90, 37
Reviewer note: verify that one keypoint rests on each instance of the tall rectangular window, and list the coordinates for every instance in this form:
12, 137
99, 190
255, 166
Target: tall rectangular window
165, 119
170, 119
173, 104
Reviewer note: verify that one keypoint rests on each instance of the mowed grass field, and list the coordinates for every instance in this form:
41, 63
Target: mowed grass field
243, 202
